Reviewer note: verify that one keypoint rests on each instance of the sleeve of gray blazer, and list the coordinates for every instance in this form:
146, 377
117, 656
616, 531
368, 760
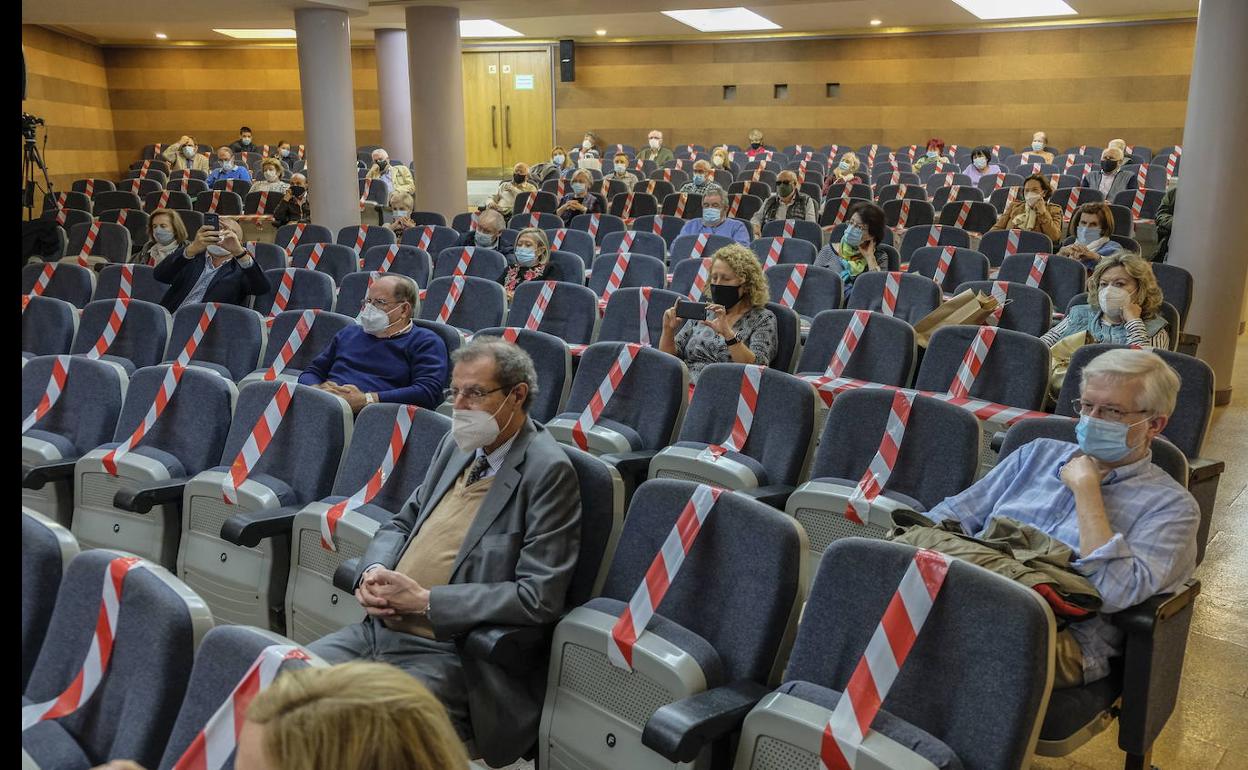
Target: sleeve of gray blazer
552, 542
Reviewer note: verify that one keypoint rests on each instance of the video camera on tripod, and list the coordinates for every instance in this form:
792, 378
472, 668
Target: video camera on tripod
28, 125
31, 159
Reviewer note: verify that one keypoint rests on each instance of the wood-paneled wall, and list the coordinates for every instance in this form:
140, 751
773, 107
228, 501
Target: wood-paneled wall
67, 86
1086, 85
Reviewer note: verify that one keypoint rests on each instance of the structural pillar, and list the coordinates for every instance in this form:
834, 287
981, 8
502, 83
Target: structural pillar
394, 93
437, 87
1207, 237
324, 43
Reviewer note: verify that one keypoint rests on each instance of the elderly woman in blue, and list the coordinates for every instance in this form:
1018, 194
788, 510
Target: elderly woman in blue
1123, 304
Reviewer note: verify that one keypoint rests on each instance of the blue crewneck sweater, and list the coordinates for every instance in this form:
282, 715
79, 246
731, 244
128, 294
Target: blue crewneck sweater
408, 369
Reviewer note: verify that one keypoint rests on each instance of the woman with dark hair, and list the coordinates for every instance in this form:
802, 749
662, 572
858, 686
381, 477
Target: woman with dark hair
855, 253
935, 153
1034, 212
981, 164
1091, 227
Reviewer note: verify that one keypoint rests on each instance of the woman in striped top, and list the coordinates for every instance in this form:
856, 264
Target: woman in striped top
1123, 304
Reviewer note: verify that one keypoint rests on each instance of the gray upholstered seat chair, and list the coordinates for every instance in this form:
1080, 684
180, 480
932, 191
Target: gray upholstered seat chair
231, 345
640, 270
404, 259
480, 304
996, 244
578, 242
1063, 277
793, 250
308, 289
553, 362
944, 235
597, 225
571, 313
429, 238
686, 247
140, 341
964, 265
334, 260
638, 242
73, 283
621, 321
1027, 309
1015, 372
285, 235
374, 235
48, 326
916, 295
322, 329
143, 284
804, 229
819, 289
47, 549
477, 262
885, 352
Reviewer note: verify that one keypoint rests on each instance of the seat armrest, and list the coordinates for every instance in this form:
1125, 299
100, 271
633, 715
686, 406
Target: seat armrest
36, 476
344, 576
631, 463
515, 648
248, 528
141, 497
1144, 617
679, 731
1203, 469
775, 495
998, 438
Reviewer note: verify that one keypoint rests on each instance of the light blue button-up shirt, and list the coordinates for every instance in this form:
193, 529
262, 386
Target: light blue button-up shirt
1154, 520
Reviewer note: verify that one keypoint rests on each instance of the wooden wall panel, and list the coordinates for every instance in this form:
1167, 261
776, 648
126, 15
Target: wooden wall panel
1081, 85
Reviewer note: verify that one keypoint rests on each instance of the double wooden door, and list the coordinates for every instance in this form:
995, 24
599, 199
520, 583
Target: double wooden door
507, 109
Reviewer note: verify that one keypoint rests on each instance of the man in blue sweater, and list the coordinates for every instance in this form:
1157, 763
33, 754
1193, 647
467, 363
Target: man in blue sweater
384, 356
228, 168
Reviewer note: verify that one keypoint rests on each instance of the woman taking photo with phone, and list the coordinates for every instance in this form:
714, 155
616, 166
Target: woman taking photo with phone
738, 327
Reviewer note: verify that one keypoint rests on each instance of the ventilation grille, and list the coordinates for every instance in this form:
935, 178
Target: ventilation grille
98, 490
772, 754
823, 527
627, 694
671, 473
314, 558
208, 514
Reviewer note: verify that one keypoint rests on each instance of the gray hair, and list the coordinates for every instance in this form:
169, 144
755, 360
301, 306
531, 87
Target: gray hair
491, 217
512, 365
1158, 383
405, 290
714, 189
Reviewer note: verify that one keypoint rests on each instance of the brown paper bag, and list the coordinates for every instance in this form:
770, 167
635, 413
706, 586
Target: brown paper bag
1059, 358
968, 308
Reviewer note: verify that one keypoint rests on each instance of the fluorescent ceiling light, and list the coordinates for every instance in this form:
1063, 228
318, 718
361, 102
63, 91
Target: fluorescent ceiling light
1016, 9
258, 34
485, 28
876, 22
161, 36
722, 19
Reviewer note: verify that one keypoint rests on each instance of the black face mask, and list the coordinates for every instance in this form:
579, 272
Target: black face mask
755, 145
298, 190
381, 165
785, 189
518, 178
1108, 165
728, 296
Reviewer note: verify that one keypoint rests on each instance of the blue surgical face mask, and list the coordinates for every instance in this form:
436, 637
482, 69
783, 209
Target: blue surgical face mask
526, 255
931, 153
1086, 235
710, 215
843, 166
1037, 146
557, 159
1104, 439
699, 179
484, 240
578, 187
852, 235
981, 162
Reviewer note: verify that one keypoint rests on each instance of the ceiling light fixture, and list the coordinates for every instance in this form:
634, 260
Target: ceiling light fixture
485, 28
1016, 9
161, 36
600, 32
258, 34
876, 22
722, 19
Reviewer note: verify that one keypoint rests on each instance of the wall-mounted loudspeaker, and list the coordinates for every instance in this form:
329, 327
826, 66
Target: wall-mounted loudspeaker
567, 61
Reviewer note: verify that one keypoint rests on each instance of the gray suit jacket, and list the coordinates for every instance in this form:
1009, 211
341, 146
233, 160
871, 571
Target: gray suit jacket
513, 568
1121, 180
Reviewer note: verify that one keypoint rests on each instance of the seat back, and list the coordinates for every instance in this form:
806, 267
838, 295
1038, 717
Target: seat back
792, 250
261, 202
1177, 287
908, 213
141, 339
48, 326
885, 352
370, 442
449, 335
221, 202
333, 260
998, 244
621, 322
134, 220
649, 400
597, 225
578, 242
973, 216
990, 183
232, 343
553, 363
364, 237
403, 259
989, 720
240, 187
86, 413
629, 205
667, 228
1015, 371
933, 235
324, 327
570, 314
112, 241
98, 185
480, 305
538, 219
1063, 277
116, 199
309, 234
964, 265
308, 289
916, 296
480, 262
269, 256
675, 176
143, 283
641, 270
47, 549
686, 247
635, 242
431, 238
954, 193
1027, 309
807, 289
788, 337
73, 283
806, 230
567, 267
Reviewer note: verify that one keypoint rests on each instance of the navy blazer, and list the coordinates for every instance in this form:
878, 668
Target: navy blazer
231, 285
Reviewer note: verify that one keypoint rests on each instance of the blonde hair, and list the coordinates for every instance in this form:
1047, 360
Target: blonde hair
558, 150
719, 151
402, 197
274, 163
355, 715
543, 244
1147, 292
755, 135
745, 264
1159, 382
852, 160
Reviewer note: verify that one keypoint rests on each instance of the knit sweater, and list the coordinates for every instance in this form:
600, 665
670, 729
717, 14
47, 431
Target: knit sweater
410, 368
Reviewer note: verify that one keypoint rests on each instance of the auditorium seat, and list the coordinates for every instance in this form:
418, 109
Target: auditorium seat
571, 312
916, 295
885, 352
408, 260
431, 238
685, 275
788, 337
308, 234
577, 241
269, 256
189, 186
1014, 372
231, 345
907, 212
639, 242
322, 329
793, 250
973, 216
639, 270
170, 199
221, 202
47, 549
334, 260
69, 282
481, 302
1063, 277
48, 327
565, 266
478, 261
632, 204
309, 289
819, 289
138, 342
954, 193
540, 220
668, 228
552, 360
964, 265
1027, 309
621, 321
686, 247
1003, 181
684, 205
97, 186
112, 241
934, 235
374, 235
996, 244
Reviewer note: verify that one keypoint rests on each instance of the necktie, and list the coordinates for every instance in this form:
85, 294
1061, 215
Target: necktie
478, 470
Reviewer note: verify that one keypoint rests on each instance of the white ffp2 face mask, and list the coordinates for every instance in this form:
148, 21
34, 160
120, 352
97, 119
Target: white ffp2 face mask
372, 320
472, 429
218, 251
1112, 300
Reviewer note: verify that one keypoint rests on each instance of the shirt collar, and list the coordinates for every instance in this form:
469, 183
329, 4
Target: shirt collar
1121, 473
495, 458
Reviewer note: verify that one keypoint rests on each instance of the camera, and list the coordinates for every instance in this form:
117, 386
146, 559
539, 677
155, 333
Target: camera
28, 125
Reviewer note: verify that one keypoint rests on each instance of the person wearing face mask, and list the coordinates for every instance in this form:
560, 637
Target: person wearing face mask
620, 172
1124, 303
855, 253
504, 200
580, 200
591, 141
214, 267
1037, 150
1131, 526
244, 142
1110, 178
294, 206
532, 260
1033, 212
489, 234
843, 171
655, 150
227, 168
981, 165
1090, 228
1121, 146
715, 219
701, 180
400, 205
935, 153
183, 155
383, 356
490, 538
398, 176
738, 329
1165, 220
270, 177
755, 146
283, 152
166, 233
787, 202
720, 161
551, 169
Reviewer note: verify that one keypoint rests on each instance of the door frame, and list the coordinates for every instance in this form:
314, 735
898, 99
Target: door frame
551, 50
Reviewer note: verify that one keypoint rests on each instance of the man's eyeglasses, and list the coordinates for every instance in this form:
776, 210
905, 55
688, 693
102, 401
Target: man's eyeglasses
1106, 412
380, 304
473, 394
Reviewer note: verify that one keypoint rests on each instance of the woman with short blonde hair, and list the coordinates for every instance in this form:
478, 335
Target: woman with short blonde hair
400, 204
1123, 306
270, 177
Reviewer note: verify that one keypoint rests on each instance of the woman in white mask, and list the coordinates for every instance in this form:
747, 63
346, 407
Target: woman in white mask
400, 204
270, 179
1123, 304
1032, 210
165, 234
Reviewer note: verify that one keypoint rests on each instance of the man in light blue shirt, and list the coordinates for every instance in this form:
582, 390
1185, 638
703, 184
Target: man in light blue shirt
228, 169
1132, 527
715, 219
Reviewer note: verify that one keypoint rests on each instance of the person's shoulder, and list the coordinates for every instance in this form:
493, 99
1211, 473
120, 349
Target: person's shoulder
420, 336
544, 451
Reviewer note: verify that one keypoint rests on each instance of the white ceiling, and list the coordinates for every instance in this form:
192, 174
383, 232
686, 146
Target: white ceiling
137, 21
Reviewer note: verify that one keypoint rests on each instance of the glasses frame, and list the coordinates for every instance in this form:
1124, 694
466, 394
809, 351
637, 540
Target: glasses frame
1078, 404
453, 394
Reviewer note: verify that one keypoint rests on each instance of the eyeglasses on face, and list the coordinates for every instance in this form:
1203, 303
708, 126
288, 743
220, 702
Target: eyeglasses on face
472, 394
1104, 412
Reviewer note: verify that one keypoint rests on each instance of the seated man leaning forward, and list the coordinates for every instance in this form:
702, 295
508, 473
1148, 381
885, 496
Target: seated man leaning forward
384, 356
1132, 527
492, 536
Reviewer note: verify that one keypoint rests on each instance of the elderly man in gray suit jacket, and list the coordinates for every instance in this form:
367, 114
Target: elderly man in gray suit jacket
490, 538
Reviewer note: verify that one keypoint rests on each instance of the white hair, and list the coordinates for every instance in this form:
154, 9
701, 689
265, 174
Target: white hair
1158, 383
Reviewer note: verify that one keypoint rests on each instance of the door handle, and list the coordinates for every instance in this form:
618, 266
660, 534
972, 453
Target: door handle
507, 124
494, 125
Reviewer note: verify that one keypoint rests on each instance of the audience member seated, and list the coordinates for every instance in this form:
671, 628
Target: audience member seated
655, 150
935, 153
520, 549
715, 219
1091, 227
504, 200
488, 235
243, 143
228, 168
400, 204
383, 356
702, 178
843, 172
284, 153
981, 164
755, 146
1110, 178
854, 254
591, 141
270, 177
353, 716
1165, 220
1034, 212
532, 260
1037, 152
1121, 145
215, 267
554, 169
1132, 528
620, 172
166, 233
787, 202
719, 159
1123, 307
580, 200
399, 177
740, 328
294, 206
184, 156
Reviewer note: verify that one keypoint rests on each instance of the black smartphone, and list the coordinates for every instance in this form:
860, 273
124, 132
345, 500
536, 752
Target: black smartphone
213, 221
695, 311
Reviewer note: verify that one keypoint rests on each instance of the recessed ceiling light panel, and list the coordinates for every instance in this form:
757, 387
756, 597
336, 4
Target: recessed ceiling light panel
1016, 9
258, 34
485, 28
722, 19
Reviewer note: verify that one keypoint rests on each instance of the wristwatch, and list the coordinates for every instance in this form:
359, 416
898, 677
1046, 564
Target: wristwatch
370, 398
732, 341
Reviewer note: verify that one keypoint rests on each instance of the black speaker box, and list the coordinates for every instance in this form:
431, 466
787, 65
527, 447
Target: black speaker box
567, 61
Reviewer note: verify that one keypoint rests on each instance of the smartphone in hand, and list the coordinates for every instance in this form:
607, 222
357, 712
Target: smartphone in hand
695, 311
213, 221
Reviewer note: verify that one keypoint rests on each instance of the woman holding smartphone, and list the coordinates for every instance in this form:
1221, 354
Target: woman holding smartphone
738, 327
